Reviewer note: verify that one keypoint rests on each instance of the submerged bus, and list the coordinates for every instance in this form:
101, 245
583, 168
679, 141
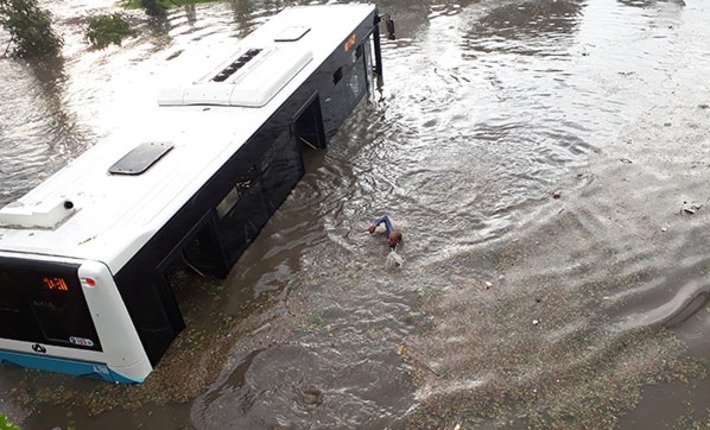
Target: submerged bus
85, 256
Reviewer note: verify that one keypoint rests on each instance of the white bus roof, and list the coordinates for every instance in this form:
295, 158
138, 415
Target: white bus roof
111, 216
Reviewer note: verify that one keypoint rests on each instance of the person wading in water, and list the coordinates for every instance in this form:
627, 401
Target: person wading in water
394, 236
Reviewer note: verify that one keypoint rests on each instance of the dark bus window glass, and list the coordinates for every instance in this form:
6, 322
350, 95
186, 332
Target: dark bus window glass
16, 320
267, 158
337, 75
241, 188
44, 304
228, 203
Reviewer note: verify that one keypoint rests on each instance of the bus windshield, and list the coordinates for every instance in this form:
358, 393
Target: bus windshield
43, 302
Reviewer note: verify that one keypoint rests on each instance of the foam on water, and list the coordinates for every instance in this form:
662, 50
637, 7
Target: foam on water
393, 260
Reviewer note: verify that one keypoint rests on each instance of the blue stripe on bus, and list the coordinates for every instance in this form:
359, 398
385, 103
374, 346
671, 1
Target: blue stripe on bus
71, 367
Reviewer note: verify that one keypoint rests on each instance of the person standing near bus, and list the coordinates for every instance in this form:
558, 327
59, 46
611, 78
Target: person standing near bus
394, 236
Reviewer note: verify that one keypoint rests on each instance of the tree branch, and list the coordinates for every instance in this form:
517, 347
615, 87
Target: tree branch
7, 48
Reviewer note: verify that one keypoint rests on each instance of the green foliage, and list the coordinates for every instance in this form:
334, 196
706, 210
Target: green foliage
30, 28
154, 8
107, 29
6, 425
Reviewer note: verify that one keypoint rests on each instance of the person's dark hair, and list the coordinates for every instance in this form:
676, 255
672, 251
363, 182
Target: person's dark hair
397, 236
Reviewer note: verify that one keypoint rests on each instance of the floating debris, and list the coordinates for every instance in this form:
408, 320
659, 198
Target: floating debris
691, 208
311, 398
393, 260
261, 329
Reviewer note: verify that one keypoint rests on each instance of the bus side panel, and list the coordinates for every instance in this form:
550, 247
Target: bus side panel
345, 77
276, 172
142, 282
150, 303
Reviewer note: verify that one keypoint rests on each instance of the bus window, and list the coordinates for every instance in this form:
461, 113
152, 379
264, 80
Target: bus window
228, 202
49, 308
58, 304
241, 188
15, 318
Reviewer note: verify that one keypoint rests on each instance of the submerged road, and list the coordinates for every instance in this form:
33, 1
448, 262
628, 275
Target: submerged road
548, 163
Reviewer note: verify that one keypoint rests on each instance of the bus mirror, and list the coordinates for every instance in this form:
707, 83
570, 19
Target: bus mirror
389, 25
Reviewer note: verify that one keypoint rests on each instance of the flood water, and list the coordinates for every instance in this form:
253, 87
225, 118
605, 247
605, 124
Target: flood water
538, 156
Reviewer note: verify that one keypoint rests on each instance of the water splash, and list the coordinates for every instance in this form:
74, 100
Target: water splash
394, 260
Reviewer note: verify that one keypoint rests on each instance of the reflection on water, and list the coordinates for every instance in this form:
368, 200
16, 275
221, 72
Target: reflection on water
528, 28
37, 140
512, 305
650, 3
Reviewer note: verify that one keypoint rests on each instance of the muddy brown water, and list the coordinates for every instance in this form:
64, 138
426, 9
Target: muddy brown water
512, 308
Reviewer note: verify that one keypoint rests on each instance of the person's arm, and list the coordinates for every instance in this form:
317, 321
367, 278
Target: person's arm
383, 219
